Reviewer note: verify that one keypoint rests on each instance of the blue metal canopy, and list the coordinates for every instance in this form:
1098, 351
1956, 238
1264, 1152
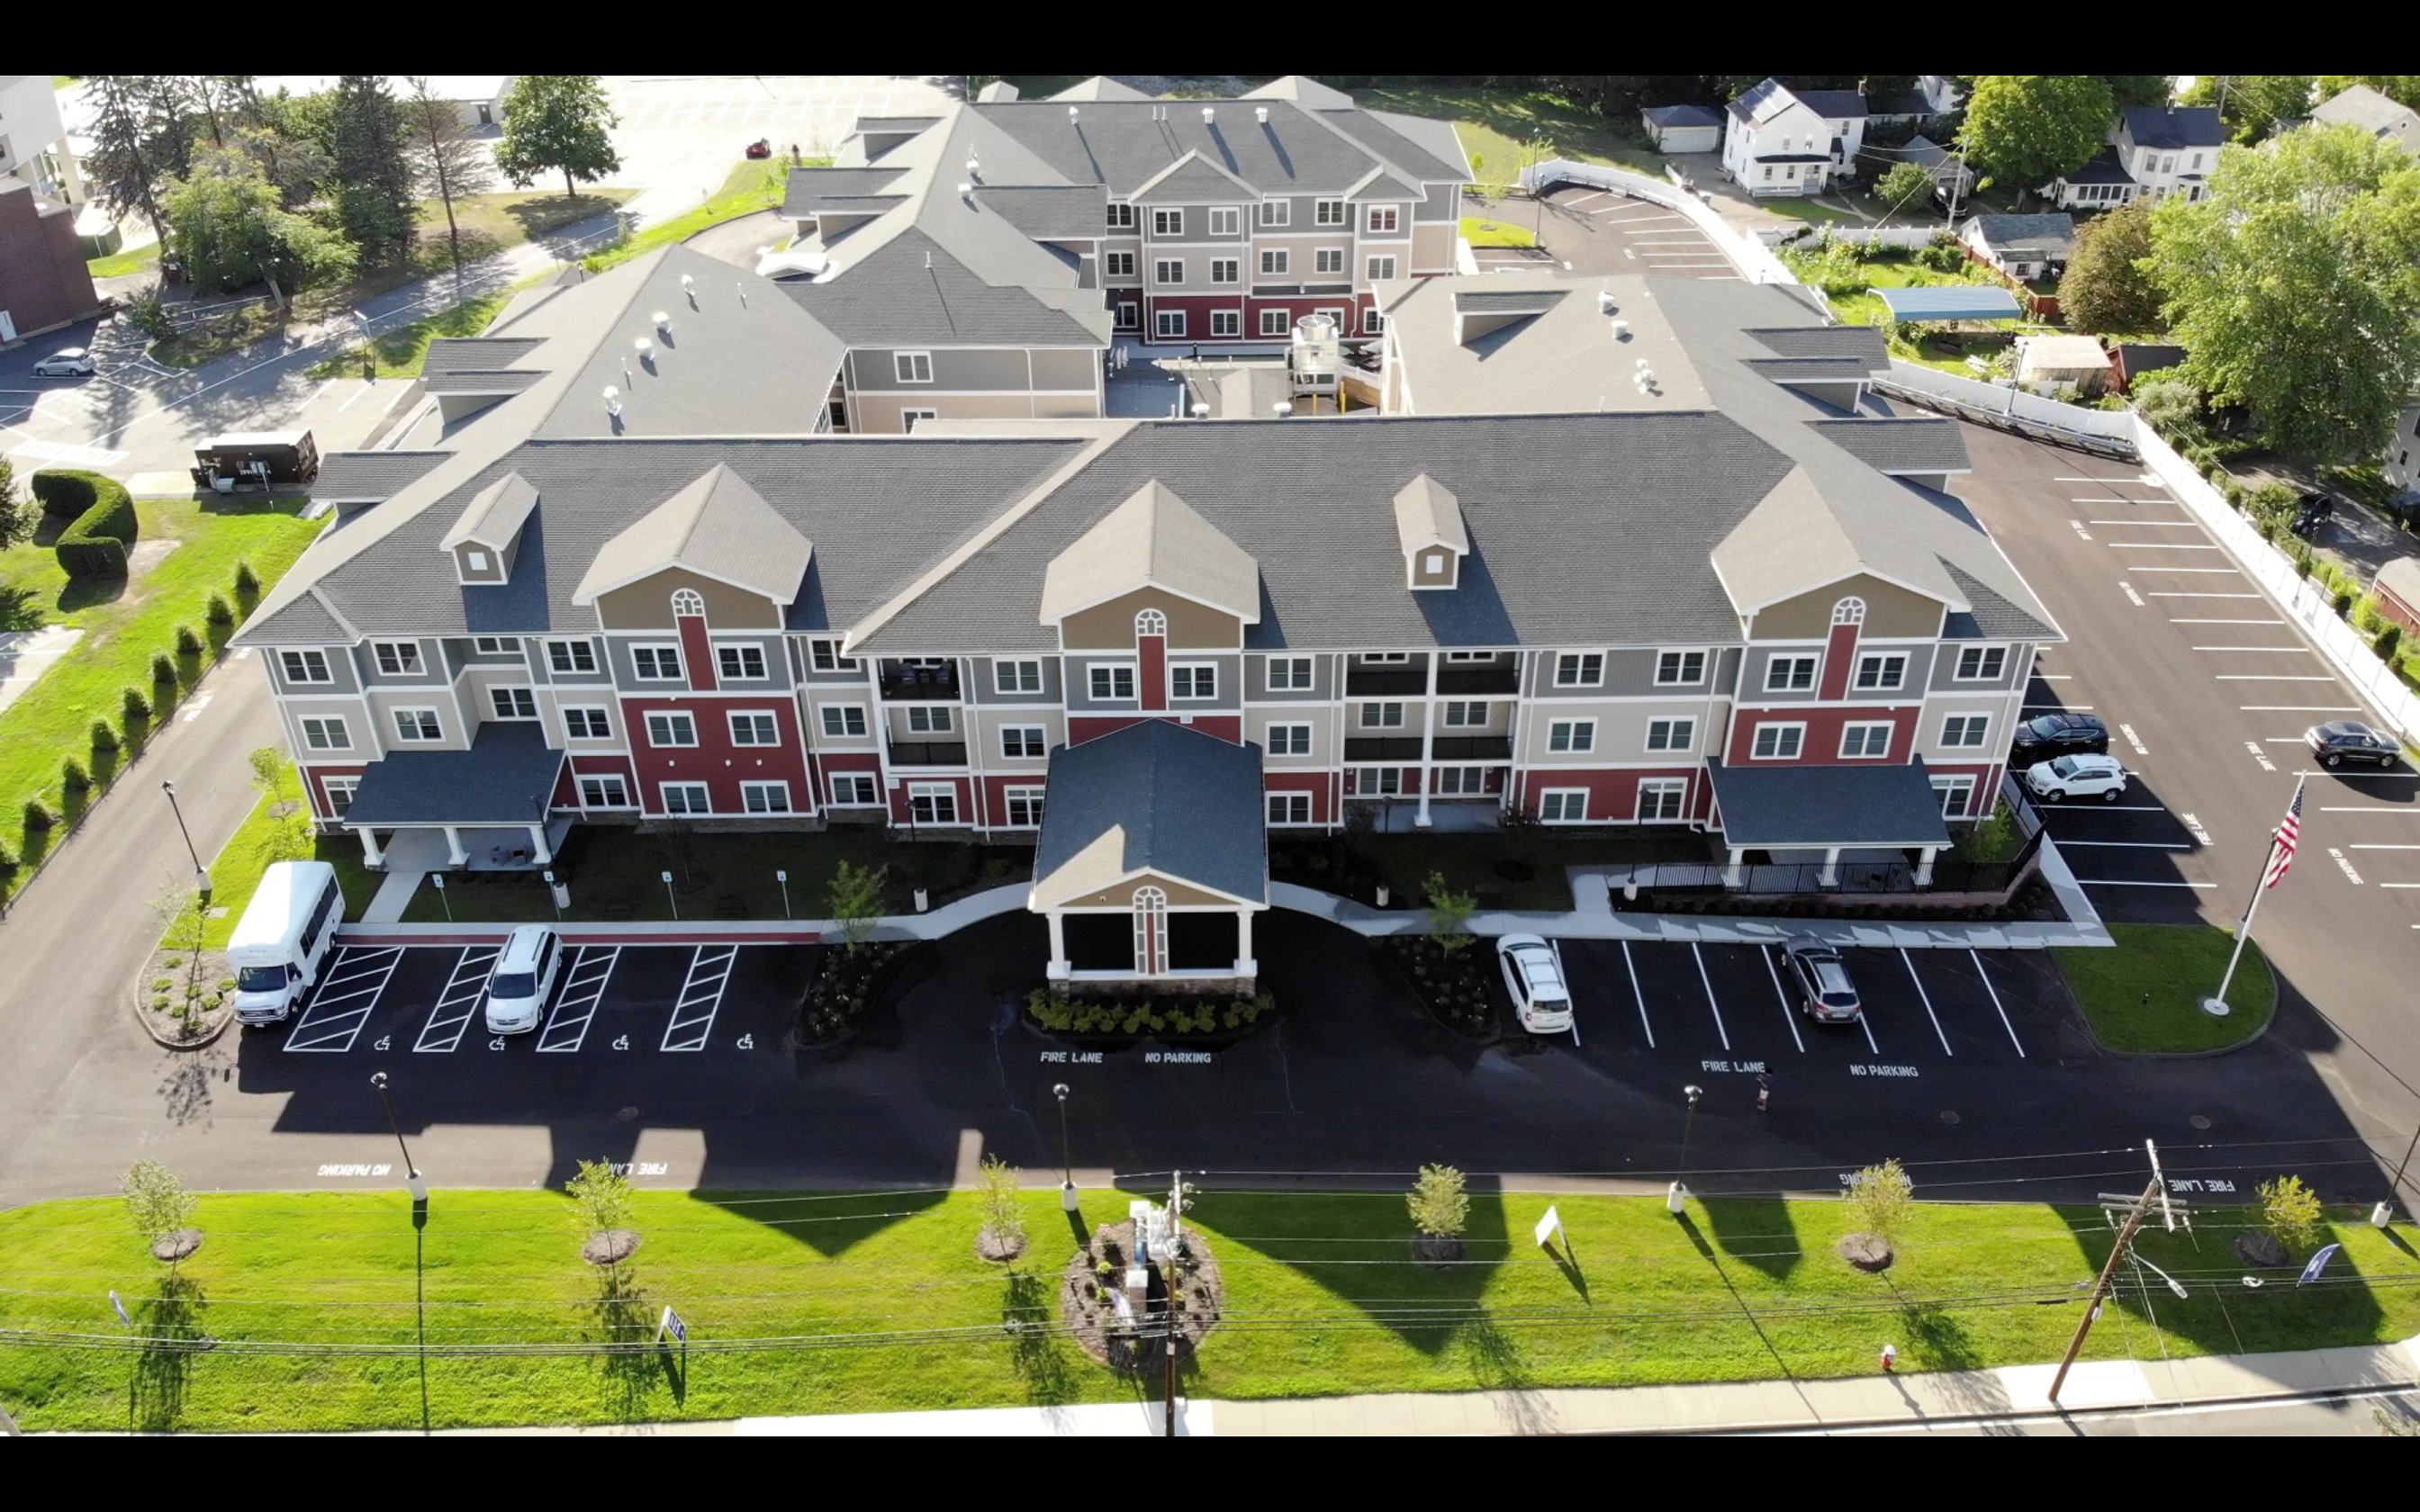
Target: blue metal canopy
1952, 301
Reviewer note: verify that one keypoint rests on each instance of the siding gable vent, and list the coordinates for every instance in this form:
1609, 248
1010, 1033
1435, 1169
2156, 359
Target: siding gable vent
1428, 525
486, 539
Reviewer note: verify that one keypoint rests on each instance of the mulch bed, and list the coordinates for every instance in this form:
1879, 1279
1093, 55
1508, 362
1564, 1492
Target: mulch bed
1121, 1022
1451, 985
197, 1001
849, 984
1085, 1300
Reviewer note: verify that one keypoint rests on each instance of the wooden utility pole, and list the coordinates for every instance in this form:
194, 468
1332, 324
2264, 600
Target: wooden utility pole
2108, 1273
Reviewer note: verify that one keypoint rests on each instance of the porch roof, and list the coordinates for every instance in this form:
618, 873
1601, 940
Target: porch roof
1154, 798
505, 778
1803, 808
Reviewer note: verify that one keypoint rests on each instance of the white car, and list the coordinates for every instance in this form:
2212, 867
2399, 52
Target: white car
1533, 973
74, 362
2078, 777
522, 977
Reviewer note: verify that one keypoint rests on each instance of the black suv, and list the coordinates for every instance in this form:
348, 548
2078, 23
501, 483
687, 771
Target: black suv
2046, 736
2340, 741
2311, 511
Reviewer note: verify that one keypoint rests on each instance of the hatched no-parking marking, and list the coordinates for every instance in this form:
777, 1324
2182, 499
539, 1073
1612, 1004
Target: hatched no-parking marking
701, 997
583, 988
451, 1018
342, 1002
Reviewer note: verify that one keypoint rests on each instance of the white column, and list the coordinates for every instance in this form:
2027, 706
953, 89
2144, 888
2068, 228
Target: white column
1245, 965
1731, 868
1924, 867
372, 854
454, 846
537, 845
1059, 970
1428, 740
1830, 875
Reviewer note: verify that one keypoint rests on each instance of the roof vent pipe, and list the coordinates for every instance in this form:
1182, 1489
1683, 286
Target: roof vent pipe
1071, 115
1200, 411
1284, 409
1621, 330
1261, 113
1604, 304
1209, 114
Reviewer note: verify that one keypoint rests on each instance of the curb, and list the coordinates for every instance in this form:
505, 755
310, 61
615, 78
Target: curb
204, 1043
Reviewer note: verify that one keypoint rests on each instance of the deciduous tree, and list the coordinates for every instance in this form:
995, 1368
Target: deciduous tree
2024, 129
157, 1202
2108, 284
856, 901
2252, 105
1879, 1199
2127, 90
227, 225
558, 123
2291, 1210
451, 162
1449, 912
1906, 184
2295, 288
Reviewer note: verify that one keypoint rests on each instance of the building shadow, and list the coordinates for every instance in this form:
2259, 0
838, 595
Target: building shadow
1757, 1231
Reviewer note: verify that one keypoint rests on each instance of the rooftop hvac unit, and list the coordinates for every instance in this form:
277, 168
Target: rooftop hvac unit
1316, 355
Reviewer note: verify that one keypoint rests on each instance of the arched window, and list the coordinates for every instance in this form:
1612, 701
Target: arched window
1150, 931
1849, 611
1151, 622
689, 604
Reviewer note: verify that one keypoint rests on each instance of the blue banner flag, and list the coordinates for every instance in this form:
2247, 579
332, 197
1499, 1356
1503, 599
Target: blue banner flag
2319, 1263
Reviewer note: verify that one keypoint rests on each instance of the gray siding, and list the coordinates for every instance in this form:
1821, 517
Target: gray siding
343, 676
985, 690
1322, 682
777, 668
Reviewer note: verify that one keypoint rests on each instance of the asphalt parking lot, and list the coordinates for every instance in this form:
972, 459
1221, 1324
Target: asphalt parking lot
1595, 232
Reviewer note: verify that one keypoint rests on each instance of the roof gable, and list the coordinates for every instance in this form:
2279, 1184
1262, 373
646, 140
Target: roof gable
1153, 798
1191, 179
2174, 126
495, 515
718, 527
1153, 540
1428, 514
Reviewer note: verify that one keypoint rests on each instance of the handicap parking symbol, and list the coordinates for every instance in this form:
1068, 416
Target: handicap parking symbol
747, 1041
621, 1042
496, 1043
386, 1042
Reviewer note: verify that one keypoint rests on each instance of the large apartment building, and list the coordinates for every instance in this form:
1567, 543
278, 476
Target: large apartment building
1725, 592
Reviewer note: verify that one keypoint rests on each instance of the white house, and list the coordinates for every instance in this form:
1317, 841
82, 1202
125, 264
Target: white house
2153, 151
2022, 246
1783, 140
2372, 112
34, 139
2397, 464
1682, 128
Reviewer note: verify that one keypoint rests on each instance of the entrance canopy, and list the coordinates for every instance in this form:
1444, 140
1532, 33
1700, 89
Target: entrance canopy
1153, 798
505, 778
1828, 807
1949, 301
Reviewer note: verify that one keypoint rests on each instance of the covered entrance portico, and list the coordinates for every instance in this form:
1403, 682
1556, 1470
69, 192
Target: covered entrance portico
484, 808
1815, 823
1152, 862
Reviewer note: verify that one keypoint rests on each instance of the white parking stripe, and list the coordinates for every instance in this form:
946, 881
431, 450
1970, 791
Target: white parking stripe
583, 988
2382, 847
701, 997
2297, 651
451, 1018
2144, 566
2219, 621
2298, 708
1636, 995
2141, 524
2159, 545
1709, 984
2141, 482
2114, 882
2178, 594
1927, 998
1996, 1005
341, 1004
1789, 1015
2126, 844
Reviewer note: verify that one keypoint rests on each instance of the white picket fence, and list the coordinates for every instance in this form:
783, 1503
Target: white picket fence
1903, 238
1749, 256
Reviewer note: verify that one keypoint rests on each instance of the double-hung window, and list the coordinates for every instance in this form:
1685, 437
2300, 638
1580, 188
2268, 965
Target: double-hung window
1672, 734
1289, 808
933, 803
1226, 322
1024, 742
1168, 223
687, 798
1289, 673
1956, 796
1385, 220
854, 790
655, 664
1373, 322
1226, 270
417, 725
670, 729
1865, 740
1680, 668
1660, 800
756, 727
1381, 269
1579, 669
1169, 323
1121, 217
1024, 808
492, 645
1225, 220
1327, 212
303, 666
929, 720
765, 798
1887, 669
604, 791
1977, 664
1789, 674
1118, 264
1966, 730
328, 733
587, 722
513, 703
744, 664
1328, 260
1289, 740
340, 791
1460, 781
1571, 735
1779, 742
845, 721
912, 367
1167, 270
1017, 676
398, 658
1382, 716
1564, 805
1458, 713
1112, 682
1195, 680
1276, 322
1274, 261
571, 657
1277, 212
824, 656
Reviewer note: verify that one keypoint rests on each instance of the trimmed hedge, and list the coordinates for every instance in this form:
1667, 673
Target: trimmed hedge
94, 545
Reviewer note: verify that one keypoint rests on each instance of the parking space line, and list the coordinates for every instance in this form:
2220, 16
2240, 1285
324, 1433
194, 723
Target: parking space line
2174, 621
2299, 708
451, 1018
2159, 545
2266, 677
2382, 847
2206, 595
2126, 844
1709, 984
1636, 995
2231, 571
701, 997
577, 1007
2113, 808
1786, 1016
2138, 482
2114, 882
1996, 1005
2141, 524
2296, 651
342, 1002
1926, 998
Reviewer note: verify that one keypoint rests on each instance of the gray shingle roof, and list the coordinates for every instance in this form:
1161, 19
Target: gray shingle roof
369, 477
1834, 104
894, 298
1509, 301
1864, 343
474, 354
1811, 370
1799, 806
2366, 108
2175, 126
505, 778
807, 187
1049, 212
2104, 168
1185, 804
1683, 114
1297, 152
2053, 234
1909, 444
465, 380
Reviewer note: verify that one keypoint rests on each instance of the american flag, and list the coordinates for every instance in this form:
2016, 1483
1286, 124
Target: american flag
2281, 855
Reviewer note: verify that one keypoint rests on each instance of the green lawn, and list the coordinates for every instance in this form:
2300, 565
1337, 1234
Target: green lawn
2145, 994
263, 839
817, 1304
124, 625
401, 350
1480, 232
1814, 212
492, 223
749, 186
1497, 126
119, 263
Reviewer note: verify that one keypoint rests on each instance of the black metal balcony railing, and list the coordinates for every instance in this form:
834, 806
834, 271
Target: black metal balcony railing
928, 753
1479, 680
1366, 681
1382, 748
1472, 748
931, 684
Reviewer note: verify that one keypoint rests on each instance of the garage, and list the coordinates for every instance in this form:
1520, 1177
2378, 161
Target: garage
1683, 128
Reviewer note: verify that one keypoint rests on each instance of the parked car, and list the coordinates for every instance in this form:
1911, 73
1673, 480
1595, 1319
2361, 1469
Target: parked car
761, 147
285, 936
2340, 741
1533, 973
2404, 508
1825, 993
68, 362
2077, 776
522, 979
2055, 734
2311, 511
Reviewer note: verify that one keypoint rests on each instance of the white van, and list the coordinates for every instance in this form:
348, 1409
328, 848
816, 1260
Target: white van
522, 979
284, 938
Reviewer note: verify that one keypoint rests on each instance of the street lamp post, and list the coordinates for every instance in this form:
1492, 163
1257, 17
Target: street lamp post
201, 873
784, 878
1066, 1163
419, 1186
1678, 1197
413, 1178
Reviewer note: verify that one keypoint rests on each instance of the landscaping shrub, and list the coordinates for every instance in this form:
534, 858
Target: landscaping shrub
2390, 640
66, 493
74, 777
7, 859
1944, 253
220, 611
1139, 1016
94, 545
164, 670
188, 643
103, 737
133, 708
38, 817
247, 582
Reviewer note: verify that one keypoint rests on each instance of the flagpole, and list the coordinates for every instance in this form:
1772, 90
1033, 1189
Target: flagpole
2216, 1005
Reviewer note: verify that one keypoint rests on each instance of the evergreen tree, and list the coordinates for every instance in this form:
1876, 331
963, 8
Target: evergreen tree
374, 199
124, 166
558, 123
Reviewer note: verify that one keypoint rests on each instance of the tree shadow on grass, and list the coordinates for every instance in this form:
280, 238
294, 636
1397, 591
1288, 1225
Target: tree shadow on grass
1038, 1350
622, 1320
169, 1327
1496, 1366
1757, 1231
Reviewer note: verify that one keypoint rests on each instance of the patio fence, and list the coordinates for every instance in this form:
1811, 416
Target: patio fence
1807, 879
2106, 432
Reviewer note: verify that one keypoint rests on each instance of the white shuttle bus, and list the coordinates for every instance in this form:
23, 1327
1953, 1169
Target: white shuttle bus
284, 938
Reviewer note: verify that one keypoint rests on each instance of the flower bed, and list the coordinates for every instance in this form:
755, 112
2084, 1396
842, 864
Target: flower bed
1451, 985
185, 997
1124, 1020
849, 983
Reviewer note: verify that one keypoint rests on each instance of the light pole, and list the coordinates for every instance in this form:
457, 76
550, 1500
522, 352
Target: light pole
670, 898
784, 878
201, 873
1066, 1164
419, 1240
1678, 1197
412, 1179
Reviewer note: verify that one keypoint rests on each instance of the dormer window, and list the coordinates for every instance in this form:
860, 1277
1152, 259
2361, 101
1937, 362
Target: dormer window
1151, 622
689, 604
1429, 528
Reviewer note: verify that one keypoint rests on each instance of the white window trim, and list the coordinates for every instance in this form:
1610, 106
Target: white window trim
663, 797
657, 650
1233, 266
1379, 706
1309, 681
1683, 726
1958, 672
1160, 267
341, 791
1889, 734
493, 645
1276, 322
587, 711
403, 650
1676, 786
499, 692
907, 418
1565, 794
1226, 322
733, 717
1277, 262
823, 721
1705, 659
1134, 678
1290, 798
1976, 734
1277, 212
1041, 733
1898, 676
1814, 665
928, 713
1580, 662
571, 652
935, 790
1009, 797
1464, 707
1226, 221
1167, 323
619, 784
395, 718
1297, 728
335, 734
1777, 726
1015, 680
1391, 214
1582, 737
675, 719
764, 663
1168, 223
865, 783
764, 785
1964, 787
1332, 213
1375, 275
307, 658
826, 647
1118, 265
1197, 669
1329, 261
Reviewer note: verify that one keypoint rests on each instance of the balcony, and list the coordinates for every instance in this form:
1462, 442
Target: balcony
1367, 681
905, 683
1382, 748
1479, 680
928, 753
1472, 748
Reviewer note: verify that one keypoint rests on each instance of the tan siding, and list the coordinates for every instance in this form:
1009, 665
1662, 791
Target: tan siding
1112, 625
1891, 613
1122, 895
1065, 369
494, 572
647, 604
